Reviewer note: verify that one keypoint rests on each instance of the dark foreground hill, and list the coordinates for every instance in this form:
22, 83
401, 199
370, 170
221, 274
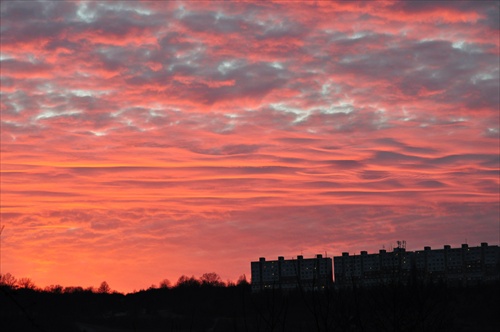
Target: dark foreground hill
416, 307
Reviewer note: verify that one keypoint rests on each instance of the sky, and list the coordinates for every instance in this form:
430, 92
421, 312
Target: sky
148, 140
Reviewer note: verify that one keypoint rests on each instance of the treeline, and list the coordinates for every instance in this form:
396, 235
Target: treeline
211, 279
208, 304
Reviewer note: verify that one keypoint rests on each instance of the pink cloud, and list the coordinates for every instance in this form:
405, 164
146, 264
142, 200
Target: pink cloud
159, 139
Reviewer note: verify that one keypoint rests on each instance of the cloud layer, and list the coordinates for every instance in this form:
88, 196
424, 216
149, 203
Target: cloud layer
142, 141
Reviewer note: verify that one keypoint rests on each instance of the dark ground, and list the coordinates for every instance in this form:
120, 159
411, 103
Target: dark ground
416, 307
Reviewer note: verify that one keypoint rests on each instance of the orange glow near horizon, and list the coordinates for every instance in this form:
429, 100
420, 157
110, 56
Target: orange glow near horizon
148, 140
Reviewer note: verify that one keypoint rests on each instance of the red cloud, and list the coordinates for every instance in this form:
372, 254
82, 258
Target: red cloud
143, 133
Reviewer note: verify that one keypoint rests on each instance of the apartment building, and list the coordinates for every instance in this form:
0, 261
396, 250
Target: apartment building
459, 266
286, 274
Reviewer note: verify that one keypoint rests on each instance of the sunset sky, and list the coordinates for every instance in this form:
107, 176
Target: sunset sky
148, 140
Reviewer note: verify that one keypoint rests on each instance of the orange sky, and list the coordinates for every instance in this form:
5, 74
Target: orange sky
148, 140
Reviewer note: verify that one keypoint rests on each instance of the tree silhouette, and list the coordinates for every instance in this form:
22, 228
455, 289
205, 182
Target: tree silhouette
165, 283
185, 281
72, 289
396, 306
104, 288
26, 283
242, 281
8, 280
56, 289
211, 279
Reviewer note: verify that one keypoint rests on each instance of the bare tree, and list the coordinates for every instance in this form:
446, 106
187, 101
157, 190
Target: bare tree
185, 281
165, 283
8, 280
104, 288
72, 289
272, 309
26, 283
211, 279
242, 281
56, 289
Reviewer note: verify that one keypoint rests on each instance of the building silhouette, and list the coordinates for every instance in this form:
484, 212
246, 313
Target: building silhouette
455, 266
287, 274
